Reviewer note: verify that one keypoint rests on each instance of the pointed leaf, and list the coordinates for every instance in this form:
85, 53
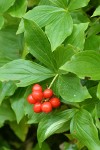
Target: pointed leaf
24, 72
83, 129
77, 38
96, 12
71, 89
75, 4
85, 64
58, 30
38, 44
52, 122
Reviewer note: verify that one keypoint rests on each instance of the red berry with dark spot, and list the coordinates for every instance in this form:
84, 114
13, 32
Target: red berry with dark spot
37, 95
46, 107
37, 107
37, 87
31, 100
47, 93
55, 102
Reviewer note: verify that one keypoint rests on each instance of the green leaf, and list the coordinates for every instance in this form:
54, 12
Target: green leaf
6, 89
6, 113
84, 64
98, 91
13, 49
5, 5
79, 16
60, 3
92, 43
45, 146
24, 72
59, 29
43, 15
52, 122
96, 12
1, 21
75, 4
20, 129
63, 54
77, 38
38, 44
83, 129
71, 89
18, 9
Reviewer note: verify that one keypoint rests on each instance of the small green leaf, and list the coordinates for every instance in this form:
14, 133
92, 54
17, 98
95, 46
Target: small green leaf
6, 89
71, 89
83, 129
77, 38
96, 12
1, 21
52, 122
38, 44
75, 4
85, 64
20, 129
6, 113
18, 9
24, 72
92, 43
59, 29
5, 5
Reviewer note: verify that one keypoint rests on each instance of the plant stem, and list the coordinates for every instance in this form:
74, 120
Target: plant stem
53, 81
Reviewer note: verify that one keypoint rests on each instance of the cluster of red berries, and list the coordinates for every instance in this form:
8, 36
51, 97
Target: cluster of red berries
44, 101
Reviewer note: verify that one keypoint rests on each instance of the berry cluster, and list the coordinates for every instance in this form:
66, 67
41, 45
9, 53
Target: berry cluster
44, 101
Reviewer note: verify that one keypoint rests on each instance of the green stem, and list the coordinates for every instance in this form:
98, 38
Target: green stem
53, 81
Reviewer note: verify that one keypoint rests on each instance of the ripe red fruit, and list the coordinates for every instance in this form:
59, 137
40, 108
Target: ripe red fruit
47, 93
37, 95
55, 102
46, 107
31, 100
37, 87
37, 107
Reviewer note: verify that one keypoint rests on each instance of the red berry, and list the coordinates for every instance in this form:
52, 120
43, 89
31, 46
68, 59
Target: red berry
37, 95
55, 102
46, 107
37, 107
31, 100
47, 93
37, 87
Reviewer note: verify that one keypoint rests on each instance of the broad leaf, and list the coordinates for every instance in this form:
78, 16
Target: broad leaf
11, 45
75, 4
38, 44
6, 89
77, 38
20, 129
63, 54
1, 21
24, 72
6, 113
96, 12
92, 43
59, 29
83, 129
18, 9
52, 122
85, 64
71, 89
5, 5
43, 15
